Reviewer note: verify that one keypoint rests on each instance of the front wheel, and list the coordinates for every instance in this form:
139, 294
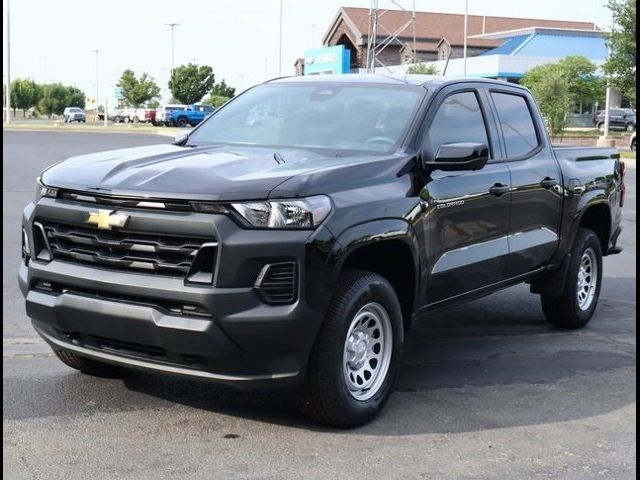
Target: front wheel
630, 127
575, 305
353, 364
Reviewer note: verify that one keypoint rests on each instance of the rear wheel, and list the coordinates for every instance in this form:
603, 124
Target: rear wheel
354, 361
88, 365
630, 127
181, 122
575, 305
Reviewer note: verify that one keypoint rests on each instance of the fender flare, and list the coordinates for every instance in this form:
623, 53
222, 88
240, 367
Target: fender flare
374, 232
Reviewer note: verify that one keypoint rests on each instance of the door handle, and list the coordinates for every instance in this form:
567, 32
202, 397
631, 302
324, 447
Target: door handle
548, 183
499, 189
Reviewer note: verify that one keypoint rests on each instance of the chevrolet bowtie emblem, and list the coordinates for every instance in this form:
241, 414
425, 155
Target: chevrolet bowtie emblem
105, 219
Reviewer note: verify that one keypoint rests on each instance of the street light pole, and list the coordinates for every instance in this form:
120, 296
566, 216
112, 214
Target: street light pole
8, 103
173, 53
97, 52
280, 44
466, 29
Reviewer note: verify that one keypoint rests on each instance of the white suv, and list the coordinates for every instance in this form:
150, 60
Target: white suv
74, 114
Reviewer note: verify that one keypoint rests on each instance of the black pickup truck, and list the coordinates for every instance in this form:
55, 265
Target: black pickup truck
295, 235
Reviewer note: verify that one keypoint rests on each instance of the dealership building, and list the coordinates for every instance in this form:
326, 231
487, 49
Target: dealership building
498, 47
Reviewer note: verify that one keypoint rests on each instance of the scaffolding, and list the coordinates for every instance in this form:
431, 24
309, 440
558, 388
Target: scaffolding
380, 37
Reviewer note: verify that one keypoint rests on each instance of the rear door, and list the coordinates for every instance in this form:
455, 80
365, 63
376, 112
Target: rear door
536, 179
467, 224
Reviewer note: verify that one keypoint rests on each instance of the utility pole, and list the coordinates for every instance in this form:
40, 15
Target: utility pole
466, 30
97, 52
280, 44
173, 53
605, 140
8, 103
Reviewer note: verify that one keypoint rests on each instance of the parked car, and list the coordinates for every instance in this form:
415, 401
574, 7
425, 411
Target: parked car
620, 118
192, 116
144, 115
301, 252
74, 114
164, 115
117, 115
632, 142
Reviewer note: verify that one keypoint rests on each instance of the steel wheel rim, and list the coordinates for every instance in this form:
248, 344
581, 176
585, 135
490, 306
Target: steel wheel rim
367, 351
587, 279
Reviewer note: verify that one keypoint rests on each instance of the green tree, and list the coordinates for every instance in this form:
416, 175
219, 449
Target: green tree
52, 102
138, 91
221, 89
73, 97
621, 65
423, 69
580, 75
585, 85
216, 100
25, 93
549, 85
190, 83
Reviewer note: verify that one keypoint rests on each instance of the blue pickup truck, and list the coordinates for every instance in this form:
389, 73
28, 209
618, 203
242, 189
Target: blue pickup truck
192, 115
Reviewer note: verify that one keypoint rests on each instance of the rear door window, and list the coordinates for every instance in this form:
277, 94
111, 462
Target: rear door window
518, 126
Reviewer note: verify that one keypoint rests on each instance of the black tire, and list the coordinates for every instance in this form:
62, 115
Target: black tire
633, 146
324, 395
88, 365
630, 127
181, 122
564, 310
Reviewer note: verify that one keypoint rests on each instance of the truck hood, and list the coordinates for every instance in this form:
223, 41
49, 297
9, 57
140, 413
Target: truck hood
200, 173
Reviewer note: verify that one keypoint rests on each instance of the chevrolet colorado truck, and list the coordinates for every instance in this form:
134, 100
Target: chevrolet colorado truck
298, 247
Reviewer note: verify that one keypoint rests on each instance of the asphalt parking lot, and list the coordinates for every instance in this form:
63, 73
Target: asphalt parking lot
487, 390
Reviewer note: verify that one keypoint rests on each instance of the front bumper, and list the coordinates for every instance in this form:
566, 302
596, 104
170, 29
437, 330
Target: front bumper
121, 317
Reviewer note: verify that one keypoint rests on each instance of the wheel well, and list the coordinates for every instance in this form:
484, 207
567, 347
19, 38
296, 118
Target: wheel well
393, 260
598, 219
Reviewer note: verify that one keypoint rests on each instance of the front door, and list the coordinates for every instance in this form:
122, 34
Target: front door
467, 211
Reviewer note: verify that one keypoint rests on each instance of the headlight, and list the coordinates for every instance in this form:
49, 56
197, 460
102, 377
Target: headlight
44, 191
304, 213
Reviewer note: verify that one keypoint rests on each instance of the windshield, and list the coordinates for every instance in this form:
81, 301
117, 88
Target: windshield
332, 116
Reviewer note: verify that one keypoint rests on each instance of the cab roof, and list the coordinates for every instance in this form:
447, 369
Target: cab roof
377, 78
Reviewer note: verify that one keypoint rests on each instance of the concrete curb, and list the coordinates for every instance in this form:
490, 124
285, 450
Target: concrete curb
167, 132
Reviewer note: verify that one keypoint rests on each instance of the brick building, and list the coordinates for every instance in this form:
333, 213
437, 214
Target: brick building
438, 35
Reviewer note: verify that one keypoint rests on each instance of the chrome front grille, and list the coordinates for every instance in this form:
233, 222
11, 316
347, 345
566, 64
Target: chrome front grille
163, 254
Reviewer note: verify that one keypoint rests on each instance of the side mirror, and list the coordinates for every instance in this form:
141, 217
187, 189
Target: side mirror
181, 138
460, 156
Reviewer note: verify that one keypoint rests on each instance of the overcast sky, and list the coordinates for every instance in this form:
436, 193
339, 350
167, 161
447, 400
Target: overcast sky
52, 40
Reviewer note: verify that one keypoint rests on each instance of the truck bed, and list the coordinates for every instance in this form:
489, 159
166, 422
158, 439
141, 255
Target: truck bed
578, 154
